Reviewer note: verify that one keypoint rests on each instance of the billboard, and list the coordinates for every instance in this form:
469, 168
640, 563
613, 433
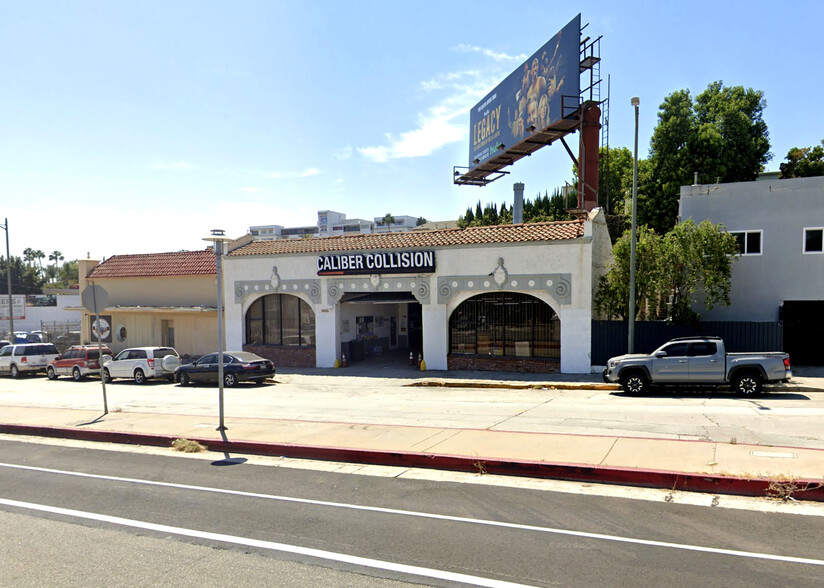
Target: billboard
18, 306
529, 99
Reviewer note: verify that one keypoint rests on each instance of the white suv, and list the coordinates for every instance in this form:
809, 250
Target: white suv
26, 357
142, 363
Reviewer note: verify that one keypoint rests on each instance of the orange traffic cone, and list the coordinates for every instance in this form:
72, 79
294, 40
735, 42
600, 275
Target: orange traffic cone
343, 360
411, 358
419, 360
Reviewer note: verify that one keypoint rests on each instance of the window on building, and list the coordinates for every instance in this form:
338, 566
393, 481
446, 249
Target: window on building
280, 319
814, 240
505, 324
749, 242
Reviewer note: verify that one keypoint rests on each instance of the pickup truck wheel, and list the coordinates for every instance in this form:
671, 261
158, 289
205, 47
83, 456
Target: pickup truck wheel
635, 383
747, 385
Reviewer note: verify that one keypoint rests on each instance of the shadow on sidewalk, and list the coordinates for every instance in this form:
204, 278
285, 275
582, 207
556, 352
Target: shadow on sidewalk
228, 460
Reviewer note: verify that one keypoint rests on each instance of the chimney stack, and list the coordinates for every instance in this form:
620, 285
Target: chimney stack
518, 206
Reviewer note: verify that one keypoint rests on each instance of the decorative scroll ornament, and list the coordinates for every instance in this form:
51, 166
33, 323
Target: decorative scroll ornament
500, 273
275, 280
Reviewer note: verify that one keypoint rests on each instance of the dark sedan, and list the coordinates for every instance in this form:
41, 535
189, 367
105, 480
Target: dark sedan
238, 366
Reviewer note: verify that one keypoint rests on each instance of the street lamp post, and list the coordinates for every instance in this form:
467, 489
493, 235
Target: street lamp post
218, 238
631, 336
5, 227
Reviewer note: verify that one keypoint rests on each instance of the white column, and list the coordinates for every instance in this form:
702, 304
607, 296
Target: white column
576, 337
435, 337
234, 318
327, 335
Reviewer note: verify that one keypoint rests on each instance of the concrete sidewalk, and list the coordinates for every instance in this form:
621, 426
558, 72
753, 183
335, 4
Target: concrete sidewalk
704, 466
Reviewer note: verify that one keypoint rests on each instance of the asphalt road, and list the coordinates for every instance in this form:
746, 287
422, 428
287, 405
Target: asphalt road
791, 419
124, 518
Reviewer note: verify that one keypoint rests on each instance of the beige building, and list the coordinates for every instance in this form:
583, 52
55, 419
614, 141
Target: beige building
167, 299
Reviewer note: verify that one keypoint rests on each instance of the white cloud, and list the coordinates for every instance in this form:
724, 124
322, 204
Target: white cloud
494, 55
306, 173
442, 124
173, 165
343, 154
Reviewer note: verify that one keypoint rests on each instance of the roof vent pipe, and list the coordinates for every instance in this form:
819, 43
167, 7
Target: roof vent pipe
518, 206
695, 179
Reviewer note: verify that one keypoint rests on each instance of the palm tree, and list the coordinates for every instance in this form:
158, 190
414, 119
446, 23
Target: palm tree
28, 255
388, 220
56, 257
39, 256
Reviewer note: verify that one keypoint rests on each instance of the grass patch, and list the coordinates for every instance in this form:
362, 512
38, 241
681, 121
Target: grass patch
187, 446
785, 488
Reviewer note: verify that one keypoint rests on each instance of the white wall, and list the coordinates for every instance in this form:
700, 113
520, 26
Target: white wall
583, 259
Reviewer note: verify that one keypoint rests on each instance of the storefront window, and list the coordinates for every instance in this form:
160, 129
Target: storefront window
505, 324
280, 319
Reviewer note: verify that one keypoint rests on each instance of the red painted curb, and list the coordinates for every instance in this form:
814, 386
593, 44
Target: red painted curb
668, 480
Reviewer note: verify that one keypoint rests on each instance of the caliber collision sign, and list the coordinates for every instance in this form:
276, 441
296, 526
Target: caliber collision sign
395, 262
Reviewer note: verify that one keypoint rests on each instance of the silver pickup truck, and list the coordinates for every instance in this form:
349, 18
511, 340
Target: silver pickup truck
698, 361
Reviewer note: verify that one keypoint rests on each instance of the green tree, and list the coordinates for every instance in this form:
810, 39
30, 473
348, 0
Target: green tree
24, 279
56, 257
388, 220
68, 274
690, 264
543, 208
421, 221
612, 294
721, 136
804, 162
614, 178
28, 255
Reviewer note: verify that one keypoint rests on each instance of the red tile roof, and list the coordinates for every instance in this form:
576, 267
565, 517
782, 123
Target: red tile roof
180, 263
528, 232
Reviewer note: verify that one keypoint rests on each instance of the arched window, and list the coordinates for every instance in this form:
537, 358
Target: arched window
280, 319
506, 324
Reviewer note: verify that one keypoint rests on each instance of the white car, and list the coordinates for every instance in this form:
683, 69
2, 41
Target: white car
26, 357
142, 364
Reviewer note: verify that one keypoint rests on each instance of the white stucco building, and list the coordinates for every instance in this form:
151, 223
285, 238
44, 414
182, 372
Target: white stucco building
508, 297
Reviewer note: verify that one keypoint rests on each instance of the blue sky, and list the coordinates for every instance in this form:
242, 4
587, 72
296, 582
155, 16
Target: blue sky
136, 127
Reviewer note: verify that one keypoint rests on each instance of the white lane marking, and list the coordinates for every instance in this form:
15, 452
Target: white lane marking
681, 497
270, 545
410, 513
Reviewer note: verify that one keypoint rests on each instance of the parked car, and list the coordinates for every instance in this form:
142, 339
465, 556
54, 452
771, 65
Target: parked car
78, 362
698, 361
142, 364
23, 358
238, 366
4, 342
20, 337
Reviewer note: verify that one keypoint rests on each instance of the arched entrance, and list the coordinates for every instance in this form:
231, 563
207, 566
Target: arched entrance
281, 327
507, 331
